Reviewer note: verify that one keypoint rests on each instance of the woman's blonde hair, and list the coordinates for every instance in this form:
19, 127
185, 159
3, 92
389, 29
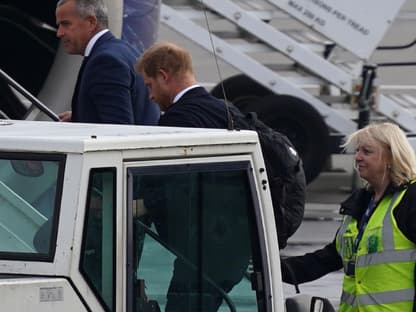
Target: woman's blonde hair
402, 168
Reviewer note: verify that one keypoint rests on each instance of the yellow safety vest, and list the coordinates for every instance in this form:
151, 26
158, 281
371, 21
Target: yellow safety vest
383, 277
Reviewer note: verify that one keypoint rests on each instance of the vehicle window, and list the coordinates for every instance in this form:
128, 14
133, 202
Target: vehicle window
30, 191
193, 238
98, 245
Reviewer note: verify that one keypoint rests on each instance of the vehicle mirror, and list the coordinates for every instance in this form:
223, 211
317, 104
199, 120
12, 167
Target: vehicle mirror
298, 303
27, 168
319, 304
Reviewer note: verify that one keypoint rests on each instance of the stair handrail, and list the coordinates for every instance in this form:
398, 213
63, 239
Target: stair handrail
42, 107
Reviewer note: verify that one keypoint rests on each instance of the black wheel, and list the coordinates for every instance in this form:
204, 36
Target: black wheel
303, 125
242, 91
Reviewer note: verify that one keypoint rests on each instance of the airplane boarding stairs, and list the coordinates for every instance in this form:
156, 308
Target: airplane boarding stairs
285, 56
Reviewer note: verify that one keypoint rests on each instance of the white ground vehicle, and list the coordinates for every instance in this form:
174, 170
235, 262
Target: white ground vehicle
72, 210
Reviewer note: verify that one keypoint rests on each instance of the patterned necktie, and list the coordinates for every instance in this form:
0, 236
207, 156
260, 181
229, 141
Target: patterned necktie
74, 103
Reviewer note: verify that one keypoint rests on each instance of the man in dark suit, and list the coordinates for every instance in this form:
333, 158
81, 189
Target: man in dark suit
167, 71
108, 90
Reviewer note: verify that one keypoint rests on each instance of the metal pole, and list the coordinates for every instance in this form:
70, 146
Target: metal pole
29, 96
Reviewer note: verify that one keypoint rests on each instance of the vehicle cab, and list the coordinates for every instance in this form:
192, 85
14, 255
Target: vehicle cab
110, 217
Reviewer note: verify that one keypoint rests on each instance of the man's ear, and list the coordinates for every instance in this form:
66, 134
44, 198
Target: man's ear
92, 22
164, 74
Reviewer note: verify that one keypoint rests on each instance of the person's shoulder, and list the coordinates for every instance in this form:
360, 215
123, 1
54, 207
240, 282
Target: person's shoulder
198, 91
353, 204
113, 46
181, 107
202, 95
176, 118
411, 189
114, 52
110, 44
180, 114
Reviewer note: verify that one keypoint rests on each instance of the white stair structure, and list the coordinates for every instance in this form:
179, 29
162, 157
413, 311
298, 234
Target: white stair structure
313, 50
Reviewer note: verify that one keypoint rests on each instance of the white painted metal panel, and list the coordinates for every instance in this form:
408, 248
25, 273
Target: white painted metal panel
35, 136
288, 46
357, 25
39, 294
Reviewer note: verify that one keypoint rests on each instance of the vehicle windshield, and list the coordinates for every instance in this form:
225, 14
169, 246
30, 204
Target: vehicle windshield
30, 188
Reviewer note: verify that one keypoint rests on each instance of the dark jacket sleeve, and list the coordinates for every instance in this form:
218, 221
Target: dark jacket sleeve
311, 266
405, 213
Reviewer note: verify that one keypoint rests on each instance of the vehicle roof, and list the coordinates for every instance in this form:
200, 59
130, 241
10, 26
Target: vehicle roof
43, 136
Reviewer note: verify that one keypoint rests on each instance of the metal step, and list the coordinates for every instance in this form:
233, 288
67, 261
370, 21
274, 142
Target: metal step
406, 101
400, 109
282, 43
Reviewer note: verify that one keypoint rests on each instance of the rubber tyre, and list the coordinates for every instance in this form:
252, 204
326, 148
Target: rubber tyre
303, 125
242, 91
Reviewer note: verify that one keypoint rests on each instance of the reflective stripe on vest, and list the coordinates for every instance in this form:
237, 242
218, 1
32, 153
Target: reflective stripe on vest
378, 298
386, 257
368, 288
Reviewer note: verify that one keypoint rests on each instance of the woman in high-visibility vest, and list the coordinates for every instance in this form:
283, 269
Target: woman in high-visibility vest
376, 242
